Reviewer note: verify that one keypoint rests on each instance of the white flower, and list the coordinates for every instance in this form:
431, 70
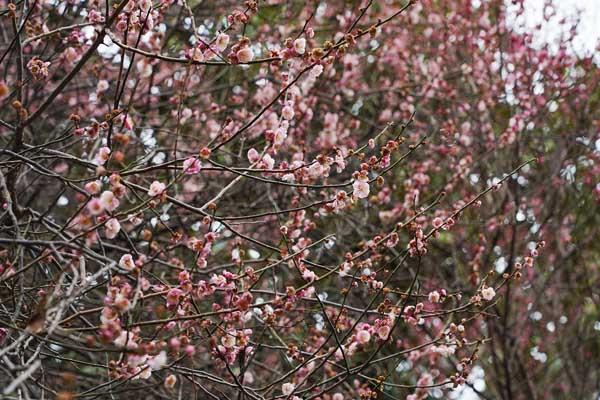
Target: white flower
112, 228
144, 68
126, 262
316, 71
228, 340
108, 200
102, 85
156, 188
288, 388
245, 55
158, 361
488, 293
125, 338
300, 45
145, 374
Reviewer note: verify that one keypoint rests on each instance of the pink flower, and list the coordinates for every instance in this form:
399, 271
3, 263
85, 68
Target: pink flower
253, 155
109, 200
126, 262
197, 55
95, 17
268, 162
145, 5
191, 166
363, 337
245, 55
38, 68
95, 206
173, 297
112, 228
287, 112
156, 188
383, 332
102, 156
309, 275
222, 41
93, 187
437, 222
434, 297
361, 188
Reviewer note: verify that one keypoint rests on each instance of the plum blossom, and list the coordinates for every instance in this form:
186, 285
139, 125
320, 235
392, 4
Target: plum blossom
288, 388
309, 275
93, 187
191, 166
222, 41
437, 222
109, 201
253, 155
228, 340
102, 86
170, 381
434, 296
95, 17
127, 263
112, 228
156, 188
102, 156
383, 332
158, 362
245, 55
488, 293
125, 339
173, 297
38, 68
300, 45
95, 206
360, 188
363, 336
287, 112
